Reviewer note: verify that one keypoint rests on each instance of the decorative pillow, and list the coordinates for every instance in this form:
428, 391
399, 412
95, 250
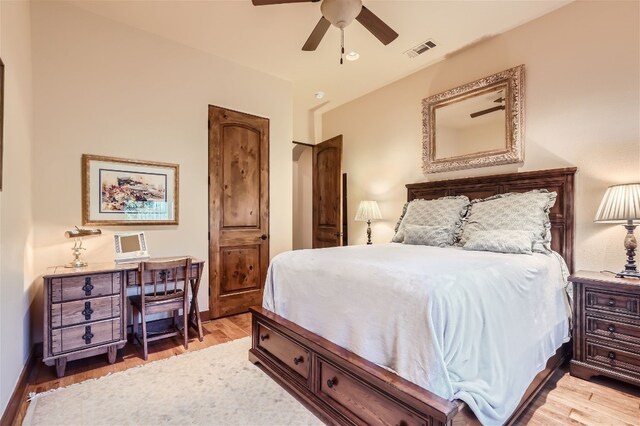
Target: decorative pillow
528, 211
404, 211
505, 241
445, 212
427, 235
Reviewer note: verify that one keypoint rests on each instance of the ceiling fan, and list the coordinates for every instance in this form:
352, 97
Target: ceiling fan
500, 101
340, 13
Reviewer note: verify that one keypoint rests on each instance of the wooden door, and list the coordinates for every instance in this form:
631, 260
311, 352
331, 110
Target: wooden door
238, 210
327, 182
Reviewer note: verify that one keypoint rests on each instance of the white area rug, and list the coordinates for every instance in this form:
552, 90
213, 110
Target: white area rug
213, 386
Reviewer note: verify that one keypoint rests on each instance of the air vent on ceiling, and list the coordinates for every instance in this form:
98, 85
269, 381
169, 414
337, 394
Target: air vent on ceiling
421, 48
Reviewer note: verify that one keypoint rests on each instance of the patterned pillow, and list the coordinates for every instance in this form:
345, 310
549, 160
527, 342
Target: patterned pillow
528, 211
445, 212
503, 241
427, 235
404, 211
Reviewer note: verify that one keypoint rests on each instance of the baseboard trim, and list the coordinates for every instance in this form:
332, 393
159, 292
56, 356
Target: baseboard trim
10, 414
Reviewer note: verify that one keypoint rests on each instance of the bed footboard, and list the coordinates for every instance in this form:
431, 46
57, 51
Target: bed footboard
345, 389
342, 387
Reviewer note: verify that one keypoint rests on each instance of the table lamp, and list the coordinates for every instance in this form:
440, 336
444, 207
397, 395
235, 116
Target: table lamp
77, 234
621, 204
368, 211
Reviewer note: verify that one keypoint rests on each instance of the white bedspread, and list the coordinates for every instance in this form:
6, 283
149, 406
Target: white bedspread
475, 326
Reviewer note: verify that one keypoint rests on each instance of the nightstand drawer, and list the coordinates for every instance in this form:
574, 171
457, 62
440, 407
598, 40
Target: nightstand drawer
618, 302
81, 311
613, 329
84, 286
614, 358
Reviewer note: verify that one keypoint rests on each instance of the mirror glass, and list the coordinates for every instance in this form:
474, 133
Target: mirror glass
475, 125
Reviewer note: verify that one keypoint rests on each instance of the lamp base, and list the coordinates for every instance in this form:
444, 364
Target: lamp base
630, 245
628, 274
76, 264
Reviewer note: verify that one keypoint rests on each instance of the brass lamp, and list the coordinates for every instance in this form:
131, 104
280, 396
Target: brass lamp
368, 211
77, 234
621, 204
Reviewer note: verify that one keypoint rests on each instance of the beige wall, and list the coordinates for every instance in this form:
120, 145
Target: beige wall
582, 108
107, 89
16, 221
302, 197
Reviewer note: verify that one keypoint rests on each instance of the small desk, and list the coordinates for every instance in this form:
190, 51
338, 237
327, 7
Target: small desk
85, 309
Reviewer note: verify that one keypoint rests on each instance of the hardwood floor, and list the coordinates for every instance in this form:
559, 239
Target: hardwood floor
565, 400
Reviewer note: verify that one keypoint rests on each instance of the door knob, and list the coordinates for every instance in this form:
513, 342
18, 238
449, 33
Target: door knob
263, 237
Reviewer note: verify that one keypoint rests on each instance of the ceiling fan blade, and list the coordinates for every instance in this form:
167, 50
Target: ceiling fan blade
486, 111
316, 35
376, 26
268, 2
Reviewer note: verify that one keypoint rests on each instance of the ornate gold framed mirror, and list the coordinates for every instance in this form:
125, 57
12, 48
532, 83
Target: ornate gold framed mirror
478, 124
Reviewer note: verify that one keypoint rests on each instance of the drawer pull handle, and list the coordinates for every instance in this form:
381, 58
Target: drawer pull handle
87, 287
402, 423
87, 310
87, 336
332, 382
611, 328
612, 302
612, 355
264, 337
297, 360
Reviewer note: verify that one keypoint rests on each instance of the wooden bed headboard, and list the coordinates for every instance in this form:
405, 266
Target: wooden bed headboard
558, 180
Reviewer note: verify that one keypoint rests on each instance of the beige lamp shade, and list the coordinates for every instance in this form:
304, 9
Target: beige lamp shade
368, 210
621, 203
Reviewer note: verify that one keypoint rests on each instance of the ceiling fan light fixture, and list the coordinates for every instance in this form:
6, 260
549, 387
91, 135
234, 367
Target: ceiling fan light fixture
341, 12
352, 56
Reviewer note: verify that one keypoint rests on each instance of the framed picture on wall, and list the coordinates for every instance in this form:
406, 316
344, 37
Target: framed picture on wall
117, 191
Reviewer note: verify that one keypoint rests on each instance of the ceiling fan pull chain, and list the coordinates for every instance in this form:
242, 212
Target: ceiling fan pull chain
341, 45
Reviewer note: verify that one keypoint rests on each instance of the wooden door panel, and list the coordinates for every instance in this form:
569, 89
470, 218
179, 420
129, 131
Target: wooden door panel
327, 185
238, 210
329, 214
241, 177
240, 268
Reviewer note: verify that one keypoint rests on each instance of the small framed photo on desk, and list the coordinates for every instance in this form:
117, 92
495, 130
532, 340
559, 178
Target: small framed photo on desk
131, 247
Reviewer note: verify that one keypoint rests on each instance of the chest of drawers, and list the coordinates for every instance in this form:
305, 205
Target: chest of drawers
84, 314
606, 331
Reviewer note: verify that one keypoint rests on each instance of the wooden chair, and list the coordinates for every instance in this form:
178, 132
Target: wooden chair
167, 296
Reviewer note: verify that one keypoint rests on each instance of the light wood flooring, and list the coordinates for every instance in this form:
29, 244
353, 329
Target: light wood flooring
565, 400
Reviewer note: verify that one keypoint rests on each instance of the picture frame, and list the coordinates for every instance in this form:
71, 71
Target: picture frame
123, 192
130, 247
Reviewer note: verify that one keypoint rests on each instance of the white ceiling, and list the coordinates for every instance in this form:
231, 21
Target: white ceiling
269, 38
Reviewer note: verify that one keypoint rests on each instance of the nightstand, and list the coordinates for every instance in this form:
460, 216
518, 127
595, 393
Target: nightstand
606, 326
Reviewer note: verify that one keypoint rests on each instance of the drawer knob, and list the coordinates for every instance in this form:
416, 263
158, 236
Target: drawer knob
264, 337
612, 302
297, 360
612, 355
87, 287
402, 423
87, 310
87, 336
332, 382
611, 328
